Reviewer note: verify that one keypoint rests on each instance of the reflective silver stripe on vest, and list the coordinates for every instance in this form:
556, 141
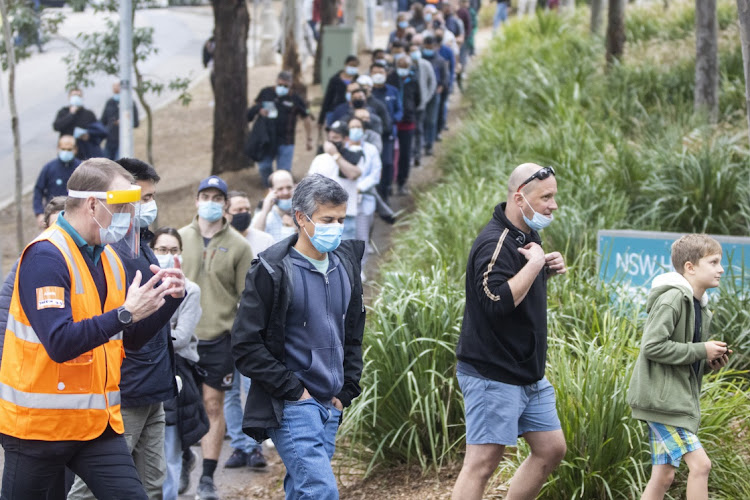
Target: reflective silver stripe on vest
22, 331
113, 398
57, 237
53, 401
112, 259
117, 336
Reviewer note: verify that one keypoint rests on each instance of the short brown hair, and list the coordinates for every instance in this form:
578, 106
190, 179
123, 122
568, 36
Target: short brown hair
56, 204
94, 174
692, 248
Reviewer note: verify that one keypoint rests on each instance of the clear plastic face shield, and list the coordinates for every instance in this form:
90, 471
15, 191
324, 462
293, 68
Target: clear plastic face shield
123, 230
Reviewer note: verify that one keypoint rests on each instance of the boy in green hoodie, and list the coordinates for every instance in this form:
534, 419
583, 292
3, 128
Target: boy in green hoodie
665, 387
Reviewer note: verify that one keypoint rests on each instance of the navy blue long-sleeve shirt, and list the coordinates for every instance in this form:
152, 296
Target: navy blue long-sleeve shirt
52, 181
62, 338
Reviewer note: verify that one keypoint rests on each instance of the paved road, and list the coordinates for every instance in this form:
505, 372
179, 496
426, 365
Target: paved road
40, 81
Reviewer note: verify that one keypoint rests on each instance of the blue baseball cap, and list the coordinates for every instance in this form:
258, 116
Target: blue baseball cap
213, 182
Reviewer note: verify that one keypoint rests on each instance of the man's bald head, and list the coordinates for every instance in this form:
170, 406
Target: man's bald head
520, 174
278, 177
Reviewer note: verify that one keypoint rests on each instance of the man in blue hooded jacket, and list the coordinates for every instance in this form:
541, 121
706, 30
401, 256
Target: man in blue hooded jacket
298, 336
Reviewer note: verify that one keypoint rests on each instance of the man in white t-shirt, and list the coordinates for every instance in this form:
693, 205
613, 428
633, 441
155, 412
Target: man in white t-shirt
341, 164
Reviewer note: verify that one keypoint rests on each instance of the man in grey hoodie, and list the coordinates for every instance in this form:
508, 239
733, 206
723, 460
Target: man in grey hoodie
298, 336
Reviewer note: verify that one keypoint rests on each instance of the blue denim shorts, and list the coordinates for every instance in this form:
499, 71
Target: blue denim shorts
498, 413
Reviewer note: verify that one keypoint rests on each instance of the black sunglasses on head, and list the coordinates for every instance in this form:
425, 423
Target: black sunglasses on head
540, 174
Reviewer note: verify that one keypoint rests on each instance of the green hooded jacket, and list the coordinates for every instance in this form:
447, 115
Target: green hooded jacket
664, 387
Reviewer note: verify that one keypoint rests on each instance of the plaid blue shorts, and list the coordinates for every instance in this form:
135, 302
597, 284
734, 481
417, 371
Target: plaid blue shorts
670, 443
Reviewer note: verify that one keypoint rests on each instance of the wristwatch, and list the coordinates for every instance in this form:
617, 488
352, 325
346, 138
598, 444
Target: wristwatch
124, 316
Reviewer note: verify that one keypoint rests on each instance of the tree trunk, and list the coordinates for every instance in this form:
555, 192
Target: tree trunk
231, 22
328, 10
291, 51
149, 114
615, 30
706, 59
597, 6
10, 51
743, 8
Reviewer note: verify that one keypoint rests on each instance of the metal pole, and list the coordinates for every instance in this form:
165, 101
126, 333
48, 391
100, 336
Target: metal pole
126, 70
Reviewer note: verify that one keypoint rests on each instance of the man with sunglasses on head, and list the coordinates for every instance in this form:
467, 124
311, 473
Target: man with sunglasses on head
283, 106
502, 349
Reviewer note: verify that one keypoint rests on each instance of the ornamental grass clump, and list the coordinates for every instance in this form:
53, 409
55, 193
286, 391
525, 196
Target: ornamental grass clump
629, 154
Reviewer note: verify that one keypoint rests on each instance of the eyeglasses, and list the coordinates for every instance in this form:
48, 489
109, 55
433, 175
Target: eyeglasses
539, 174
166, 250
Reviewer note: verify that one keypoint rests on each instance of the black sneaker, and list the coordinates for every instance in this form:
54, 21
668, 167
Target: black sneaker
188, 464
238, 459
256, 460
206, 489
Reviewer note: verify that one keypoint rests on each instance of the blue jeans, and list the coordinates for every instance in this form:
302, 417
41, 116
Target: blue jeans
233, 412
430, 121
306, 440
501, 14
283, 156
173, 455
350, 228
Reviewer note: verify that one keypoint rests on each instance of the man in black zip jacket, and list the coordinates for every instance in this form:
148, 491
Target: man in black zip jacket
298, 336
502, 349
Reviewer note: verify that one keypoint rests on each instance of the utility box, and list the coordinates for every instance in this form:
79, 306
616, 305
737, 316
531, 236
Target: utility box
338, 42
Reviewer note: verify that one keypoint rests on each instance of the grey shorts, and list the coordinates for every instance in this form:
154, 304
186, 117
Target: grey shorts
498, 413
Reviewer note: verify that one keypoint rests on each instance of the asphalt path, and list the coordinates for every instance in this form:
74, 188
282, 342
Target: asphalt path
179, 34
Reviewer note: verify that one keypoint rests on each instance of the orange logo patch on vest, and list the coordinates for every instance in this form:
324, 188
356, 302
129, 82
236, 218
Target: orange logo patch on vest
50, 297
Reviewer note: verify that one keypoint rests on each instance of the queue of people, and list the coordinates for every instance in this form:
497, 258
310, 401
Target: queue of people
124, 347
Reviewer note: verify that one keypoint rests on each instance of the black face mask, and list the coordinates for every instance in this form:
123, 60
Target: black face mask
241, 221
358, 103
352, 157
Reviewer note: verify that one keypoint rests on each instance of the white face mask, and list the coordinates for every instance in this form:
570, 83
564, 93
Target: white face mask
167, 261
378, 78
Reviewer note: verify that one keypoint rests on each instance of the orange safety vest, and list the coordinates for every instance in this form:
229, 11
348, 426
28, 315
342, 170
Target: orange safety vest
76, 400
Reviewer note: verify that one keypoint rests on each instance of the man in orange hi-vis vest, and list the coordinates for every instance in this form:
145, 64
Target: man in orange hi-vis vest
70, 318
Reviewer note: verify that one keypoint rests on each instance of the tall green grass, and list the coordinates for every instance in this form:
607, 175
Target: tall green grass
629, 153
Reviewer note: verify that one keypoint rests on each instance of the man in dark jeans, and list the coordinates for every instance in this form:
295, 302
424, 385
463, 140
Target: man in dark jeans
111, 120
405, 80
282, 106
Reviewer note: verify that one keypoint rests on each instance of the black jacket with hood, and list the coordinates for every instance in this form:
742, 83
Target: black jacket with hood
258, 335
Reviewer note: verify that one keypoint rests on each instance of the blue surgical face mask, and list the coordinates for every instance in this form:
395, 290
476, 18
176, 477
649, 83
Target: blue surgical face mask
538, 221
428, 52
76, 100
416, 55
428, 17
210, 210
397, 56
285, 205
281, 90
382, 61
355, 134
327, 237
403, 72
66, 156
351, 70
403, 24
147, 214
116, 97
348, 96
116, 230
